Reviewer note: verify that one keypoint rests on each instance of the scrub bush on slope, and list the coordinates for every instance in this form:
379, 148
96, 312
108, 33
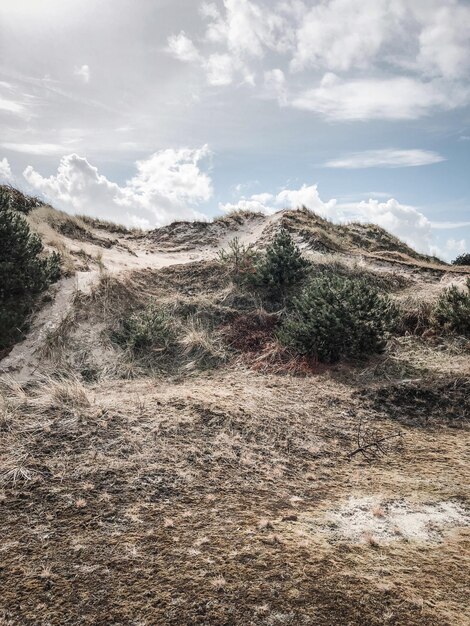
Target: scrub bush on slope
24, 271
336, 317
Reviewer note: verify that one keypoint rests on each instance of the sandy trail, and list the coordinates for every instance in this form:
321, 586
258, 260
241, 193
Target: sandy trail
24, 359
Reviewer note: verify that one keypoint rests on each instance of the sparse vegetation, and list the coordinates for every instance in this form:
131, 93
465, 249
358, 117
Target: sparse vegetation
111, 227
452, 310
13, 199
160, 431
239, 259
148, 332
335, 318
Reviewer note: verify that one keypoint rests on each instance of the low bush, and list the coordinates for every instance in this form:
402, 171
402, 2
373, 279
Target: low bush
24, 270
336, 317
462, 259
16, 200
146, 333
452, 310
239, 259
280, 271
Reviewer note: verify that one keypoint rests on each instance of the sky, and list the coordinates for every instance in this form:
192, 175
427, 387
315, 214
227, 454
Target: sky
149, 111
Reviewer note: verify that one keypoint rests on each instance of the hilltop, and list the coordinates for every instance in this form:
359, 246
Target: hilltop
215, 476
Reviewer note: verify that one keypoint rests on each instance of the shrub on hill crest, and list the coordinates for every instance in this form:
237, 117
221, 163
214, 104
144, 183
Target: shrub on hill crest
462, 259
281, 269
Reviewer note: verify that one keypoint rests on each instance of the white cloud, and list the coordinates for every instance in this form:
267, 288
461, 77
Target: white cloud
386, 158
220, 69
174, 175
246, 204
13, 107
249, 28
444, 41
245, 33
183, 48
276, 85
404, 221
83, 73
5, 171
341, 34
454, 247
168, 185
396, 59
307, 195
368, 98
449, 225
35, 148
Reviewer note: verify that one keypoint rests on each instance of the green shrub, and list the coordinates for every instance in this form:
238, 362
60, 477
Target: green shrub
462, 259
281, 269
24, 271
147, 332
13, 199
239, 259
452, 310
336, 317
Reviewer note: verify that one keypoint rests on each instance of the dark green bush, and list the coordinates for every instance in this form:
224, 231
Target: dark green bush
281, 269
16, 200
452, 310
146, 332
24, 271
336, 317
462, 259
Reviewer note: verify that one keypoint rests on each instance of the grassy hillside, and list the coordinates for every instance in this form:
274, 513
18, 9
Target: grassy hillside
166, 459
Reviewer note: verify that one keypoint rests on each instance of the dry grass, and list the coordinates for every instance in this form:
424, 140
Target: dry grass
106, 225
203, 493
238, 216
208, 487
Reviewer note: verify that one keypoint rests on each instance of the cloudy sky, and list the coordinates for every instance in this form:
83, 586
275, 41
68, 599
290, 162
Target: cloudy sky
146, 111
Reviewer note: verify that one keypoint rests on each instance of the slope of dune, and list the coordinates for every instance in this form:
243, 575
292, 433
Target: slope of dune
224, 483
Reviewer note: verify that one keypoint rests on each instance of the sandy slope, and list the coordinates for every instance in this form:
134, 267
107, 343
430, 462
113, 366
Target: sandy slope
226, 496
125, 255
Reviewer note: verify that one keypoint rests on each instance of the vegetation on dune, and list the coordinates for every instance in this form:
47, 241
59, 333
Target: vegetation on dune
13, 198
280, 271
146, 331
336, 317
239, 259
25, 271
452, 310
462, 259
106, 225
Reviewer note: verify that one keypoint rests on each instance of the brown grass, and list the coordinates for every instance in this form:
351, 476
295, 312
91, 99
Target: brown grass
194, 486
202, 494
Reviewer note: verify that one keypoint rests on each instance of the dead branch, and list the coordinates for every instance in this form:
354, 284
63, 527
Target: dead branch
370, 442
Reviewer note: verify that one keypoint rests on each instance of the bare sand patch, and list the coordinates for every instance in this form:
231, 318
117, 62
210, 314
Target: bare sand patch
372, 519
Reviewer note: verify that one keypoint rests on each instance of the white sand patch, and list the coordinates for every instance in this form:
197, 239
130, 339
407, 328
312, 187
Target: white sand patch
369, 519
